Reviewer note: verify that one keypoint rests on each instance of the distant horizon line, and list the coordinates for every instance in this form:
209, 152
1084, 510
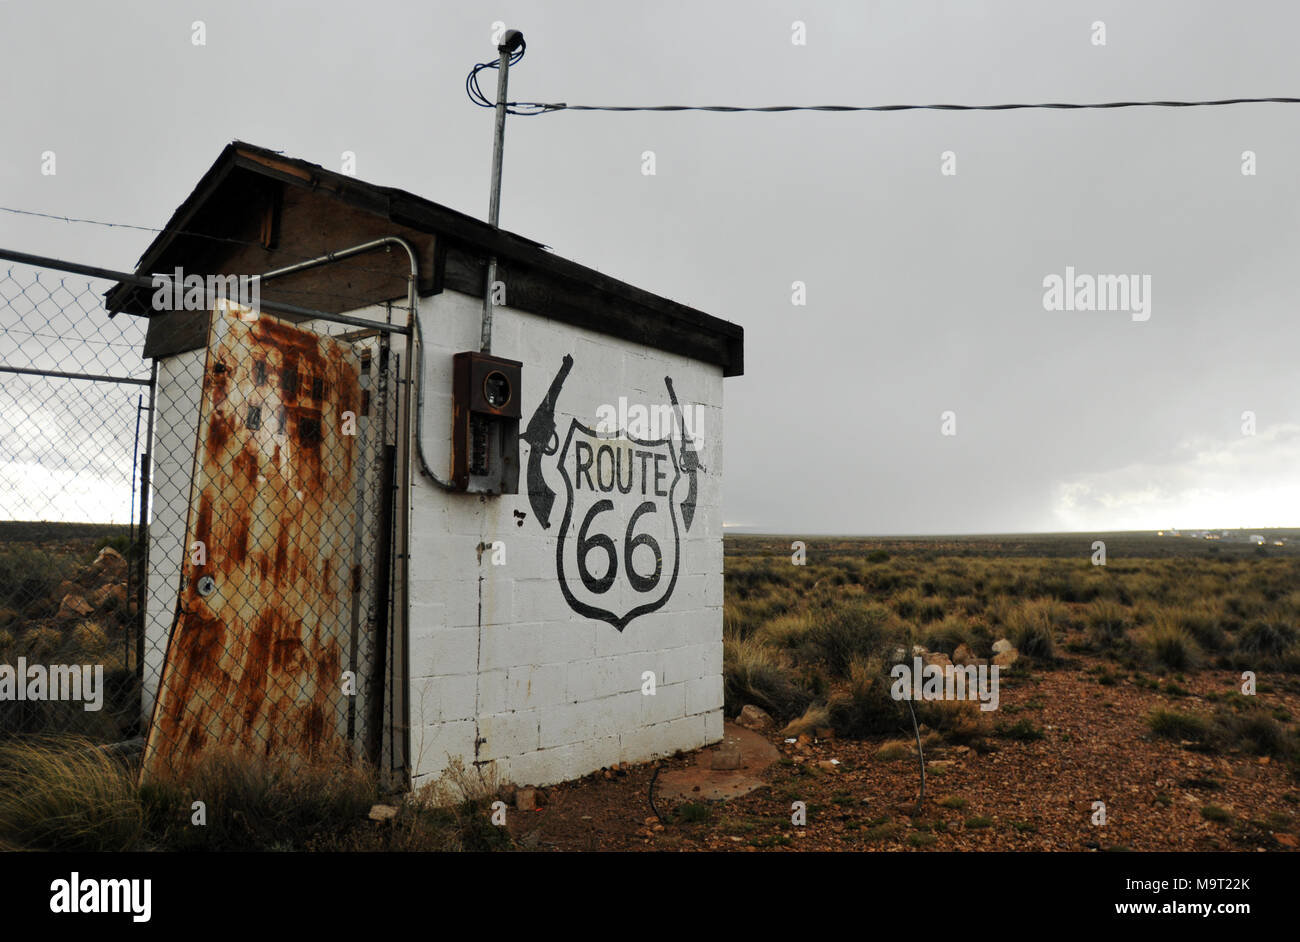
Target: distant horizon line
759, 531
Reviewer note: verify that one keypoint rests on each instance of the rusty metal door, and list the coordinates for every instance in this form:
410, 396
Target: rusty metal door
273, 651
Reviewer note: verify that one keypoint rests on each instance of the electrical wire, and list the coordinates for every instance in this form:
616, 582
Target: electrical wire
534, 107
651, 794
476, 95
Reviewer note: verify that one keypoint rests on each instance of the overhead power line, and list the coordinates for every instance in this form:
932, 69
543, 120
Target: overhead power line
535, 107
1009, 107
514, 51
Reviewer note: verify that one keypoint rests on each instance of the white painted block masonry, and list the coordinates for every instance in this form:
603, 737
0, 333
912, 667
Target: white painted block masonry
176, 425
578, 679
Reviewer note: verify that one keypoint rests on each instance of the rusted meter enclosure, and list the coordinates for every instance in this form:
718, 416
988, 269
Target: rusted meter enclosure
485, 423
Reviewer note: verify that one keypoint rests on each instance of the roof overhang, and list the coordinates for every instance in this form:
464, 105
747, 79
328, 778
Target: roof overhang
537, 280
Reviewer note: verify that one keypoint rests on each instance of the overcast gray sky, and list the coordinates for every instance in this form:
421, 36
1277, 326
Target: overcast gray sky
924, 290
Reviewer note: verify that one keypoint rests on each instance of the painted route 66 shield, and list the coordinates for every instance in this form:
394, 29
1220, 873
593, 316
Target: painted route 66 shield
619, 545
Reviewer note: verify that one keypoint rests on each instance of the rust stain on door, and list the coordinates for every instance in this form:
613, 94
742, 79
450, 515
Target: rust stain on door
256, 657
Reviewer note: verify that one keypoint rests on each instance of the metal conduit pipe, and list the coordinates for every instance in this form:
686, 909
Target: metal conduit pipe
416, 332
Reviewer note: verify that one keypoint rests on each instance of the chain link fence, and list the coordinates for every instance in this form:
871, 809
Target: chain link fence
74, 406
213, 532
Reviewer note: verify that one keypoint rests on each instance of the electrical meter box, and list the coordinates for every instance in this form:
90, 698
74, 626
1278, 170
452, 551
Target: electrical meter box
485, 423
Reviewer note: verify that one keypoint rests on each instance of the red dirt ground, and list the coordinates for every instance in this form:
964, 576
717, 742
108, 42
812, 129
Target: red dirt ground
1025, 795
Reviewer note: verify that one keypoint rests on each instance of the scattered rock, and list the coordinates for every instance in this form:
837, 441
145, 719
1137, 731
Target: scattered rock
1002, 644
109, 555
828, 765
755, 718
1006, 658
507, 794
526, 799
383, 812
936, 659
919, 651
115, 592
963, 654
824, 732
73, 606
109, 564
1287, 840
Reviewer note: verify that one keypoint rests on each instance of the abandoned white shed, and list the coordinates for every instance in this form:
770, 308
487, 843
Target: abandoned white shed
509, 557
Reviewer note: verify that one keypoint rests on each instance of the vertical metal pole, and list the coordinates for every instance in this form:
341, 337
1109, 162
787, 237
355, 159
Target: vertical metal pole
146, 462
404, 568
494, 204
132, 549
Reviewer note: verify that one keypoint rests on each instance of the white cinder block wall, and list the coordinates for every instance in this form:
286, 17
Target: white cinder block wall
498, 659
176, 424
